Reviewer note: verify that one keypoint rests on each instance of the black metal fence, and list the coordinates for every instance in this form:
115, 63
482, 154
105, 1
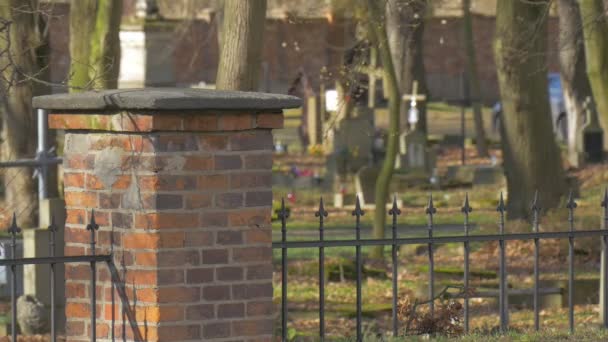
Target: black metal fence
93, 259
395, 242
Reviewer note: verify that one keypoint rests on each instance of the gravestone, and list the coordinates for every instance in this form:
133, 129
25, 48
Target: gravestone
365, 184
592, 134
353, 140
488, 175
413, 152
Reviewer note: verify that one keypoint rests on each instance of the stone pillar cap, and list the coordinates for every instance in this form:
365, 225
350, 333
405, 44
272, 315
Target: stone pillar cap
165, 99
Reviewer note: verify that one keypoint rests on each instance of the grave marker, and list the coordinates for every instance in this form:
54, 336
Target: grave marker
365, 184
592, 134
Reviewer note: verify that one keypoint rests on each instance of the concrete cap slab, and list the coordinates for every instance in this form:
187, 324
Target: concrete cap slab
166, 99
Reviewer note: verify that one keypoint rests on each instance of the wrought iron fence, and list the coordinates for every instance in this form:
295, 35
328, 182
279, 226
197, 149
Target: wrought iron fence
52, 260
395, 242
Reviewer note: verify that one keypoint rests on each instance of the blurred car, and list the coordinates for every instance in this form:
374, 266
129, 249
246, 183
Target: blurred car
556, 103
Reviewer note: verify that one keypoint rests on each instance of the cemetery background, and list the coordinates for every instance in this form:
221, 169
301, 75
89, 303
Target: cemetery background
332, 168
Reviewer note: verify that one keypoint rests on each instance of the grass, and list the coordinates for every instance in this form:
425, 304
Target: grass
549, 335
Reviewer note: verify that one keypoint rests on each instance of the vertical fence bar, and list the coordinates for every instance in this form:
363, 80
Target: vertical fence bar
430, 211
466, 209
535, 220
571, 206
321, 214
357, 213
92, 227
52, 229
502, 290
283, 215
394, 212
14, 230
605, 262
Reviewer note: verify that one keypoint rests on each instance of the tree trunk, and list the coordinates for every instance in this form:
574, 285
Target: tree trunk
94, 44
19, 120
595, 31
240, 54
471, 71
405, 29
378, 37
532, 159
573, 73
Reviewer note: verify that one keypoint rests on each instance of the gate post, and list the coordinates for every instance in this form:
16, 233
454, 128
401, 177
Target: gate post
180, 183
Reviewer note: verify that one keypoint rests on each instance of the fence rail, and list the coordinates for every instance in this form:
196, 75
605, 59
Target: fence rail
395, 242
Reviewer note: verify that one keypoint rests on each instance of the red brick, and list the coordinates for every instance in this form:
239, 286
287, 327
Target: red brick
252, 291
200, 312
260, 308
252, 254
201, 122
73, 180
257, 235
76, 216
251, 218
231, 310
229, 273
79, 161
270, 120
175, 294
77, 272
179, 332
216, 330
215, 293
198, 163
198, 201
141, 240
212, 182
213, 142
81, 199
252, 327
198, 239
165, 220
236, 122
77, 310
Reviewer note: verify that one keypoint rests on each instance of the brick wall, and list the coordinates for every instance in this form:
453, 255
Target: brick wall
292, 45
184, 201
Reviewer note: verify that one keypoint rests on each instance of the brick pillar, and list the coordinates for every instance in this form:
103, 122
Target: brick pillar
182, 193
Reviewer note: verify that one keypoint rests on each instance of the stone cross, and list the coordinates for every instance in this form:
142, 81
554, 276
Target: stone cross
414, 97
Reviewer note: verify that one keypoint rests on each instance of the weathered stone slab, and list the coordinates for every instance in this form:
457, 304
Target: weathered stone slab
166, 99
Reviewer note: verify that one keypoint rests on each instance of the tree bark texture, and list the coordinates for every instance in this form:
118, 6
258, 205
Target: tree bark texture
405, 29
242, 35
573, 69
595, 32
28, 51
94, 44
378, 37
473, 80
532, 159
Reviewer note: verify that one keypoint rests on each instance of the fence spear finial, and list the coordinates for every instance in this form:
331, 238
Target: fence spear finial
571, 204
358, 211
535, 207
395, 208
14, 229
501, 204
322, 212
283, 213
430, 209
605, 198
92, 224
466, 208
